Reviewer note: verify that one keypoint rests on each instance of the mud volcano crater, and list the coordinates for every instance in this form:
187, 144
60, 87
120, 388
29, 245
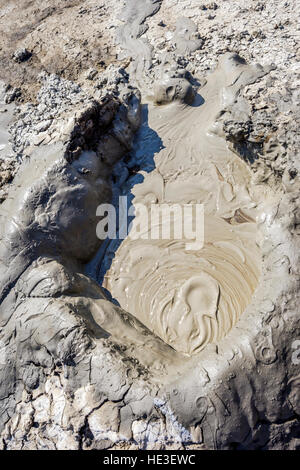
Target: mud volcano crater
143, 343
188, 298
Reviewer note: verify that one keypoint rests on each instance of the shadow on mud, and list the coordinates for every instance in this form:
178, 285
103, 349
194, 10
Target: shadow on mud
198, 101
125, 176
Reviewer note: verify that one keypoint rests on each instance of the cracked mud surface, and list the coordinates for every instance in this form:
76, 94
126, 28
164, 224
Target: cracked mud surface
160, 101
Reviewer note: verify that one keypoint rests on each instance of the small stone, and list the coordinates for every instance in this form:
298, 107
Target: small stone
21, 55
267, 306
209, 6
39, 139
91, 74
12, 94
259, 7
43, 126
5, 177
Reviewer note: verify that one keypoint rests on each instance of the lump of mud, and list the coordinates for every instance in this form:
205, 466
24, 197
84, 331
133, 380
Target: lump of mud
174, 89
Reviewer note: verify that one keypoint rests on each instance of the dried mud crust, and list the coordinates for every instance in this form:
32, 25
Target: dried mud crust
265, 32
7, 171
66, 38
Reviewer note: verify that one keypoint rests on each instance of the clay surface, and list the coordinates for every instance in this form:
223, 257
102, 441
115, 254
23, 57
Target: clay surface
141, 343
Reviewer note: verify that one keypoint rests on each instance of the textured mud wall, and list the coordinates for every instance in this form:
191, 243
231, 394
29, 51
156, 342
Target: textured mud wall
77, 371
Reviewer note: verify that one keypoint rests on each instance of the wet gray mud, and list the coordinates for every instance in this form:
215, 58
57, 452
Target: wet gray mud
141, 342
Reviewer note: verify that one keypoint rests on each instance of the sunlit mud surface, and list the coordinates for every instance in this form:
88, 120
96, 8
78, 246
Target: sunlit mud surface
187, 297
